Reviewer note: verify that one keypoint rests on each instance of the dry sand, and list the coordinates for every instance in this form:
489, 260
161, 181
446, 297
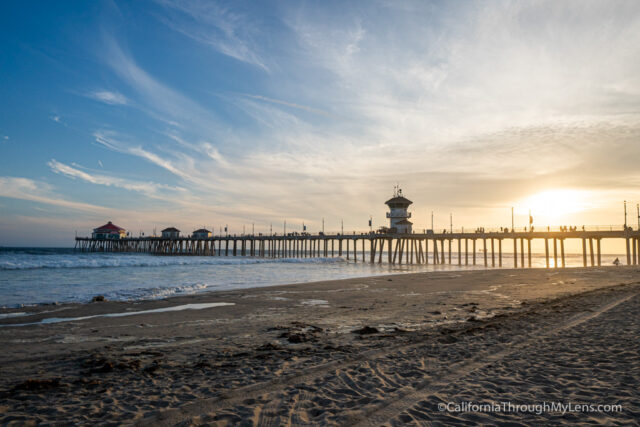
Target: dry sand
371, 351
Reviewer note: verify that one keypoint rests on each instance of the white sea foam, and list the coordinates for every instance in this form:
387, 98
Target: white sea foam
315, 302
30, 276
9, 261
42, 276
156, 292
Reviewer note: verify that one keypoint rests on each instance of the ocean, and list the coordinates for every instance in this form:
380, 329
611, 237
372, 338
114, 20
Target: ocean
31, 276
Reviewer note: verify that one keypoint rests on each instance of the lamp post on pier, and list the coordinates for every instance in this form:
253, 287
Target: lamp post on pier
625, 215
512, 221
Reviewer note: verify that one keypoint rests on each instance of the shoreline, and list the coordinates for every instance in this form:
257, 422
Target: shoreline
355, 345
37, 309
34, 279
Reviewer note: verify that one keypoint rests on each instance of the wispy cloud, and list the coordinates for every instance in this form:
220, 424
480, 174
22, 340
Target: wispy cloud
225, 30
108, 97
203, 147
58, 119
41, 192
446, 75
468, 105
110, 141
157, 99
150, 189
290, 104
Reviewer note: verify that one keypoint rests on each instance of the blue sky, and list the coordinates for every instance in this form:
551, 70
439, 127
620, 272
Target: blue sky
192, 113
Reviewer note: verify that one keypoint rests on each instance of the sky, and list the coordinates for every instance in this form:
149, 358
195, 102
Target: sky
248, 114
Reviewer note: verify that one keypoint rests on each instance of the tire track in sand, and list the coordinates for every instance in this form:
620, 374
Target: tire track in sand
396, 402
407, 398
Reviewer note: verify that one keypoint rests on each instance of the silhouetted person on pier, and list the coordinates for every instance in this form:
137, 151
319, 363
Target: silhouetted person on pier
616, 262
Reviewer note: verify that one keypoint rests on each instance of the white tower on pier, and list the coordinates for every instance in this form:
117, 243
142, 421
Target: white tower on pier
398, 215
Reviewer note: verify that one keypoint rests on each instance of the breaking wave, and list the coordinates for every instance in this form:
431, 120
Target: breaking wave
155, 292
25, 260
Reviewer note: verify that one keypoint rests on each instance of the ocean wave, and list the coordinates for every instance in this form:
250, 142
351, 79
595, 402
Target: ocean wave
156, 292
26, 261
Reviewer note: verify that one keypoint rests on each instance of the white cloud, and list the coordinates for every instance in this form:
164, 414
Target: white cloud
228, 32
41, 192
108, 97
157, 99
415, 84
463, 104
290, 104
57, 119
215, 155
109, 140
150, 189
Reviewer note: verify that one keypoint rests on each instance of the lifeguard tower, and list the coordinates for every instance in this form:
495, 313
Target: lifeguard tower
398, 215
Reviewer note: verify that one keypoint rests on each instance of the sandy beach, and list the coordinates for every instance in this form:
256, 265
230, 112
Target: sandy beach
385, 350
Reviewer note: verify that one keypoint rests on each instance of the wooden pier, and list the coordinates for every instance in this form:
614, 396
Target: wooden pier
370, 247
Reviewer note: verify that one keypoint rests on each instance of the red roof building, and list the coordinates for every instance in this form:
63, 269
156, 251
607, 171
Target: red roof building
109, 231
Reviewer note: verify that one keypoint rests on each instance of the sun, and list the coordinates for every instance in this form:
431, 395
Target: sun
554, 205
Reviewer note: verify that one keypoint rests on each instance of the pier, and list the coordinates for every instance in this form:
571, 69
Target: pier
397, 244
484, 248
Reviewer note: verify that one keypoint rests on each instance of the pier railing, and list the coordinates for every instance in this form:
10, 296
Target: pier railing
416, 232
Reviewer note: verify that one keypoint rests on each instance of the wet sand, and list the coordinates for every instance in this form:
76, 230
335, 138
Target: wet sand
378, 350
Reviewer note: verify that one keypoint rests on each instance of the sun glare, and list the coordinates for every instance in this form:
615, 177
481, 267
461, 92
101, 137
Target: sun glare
557, 204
